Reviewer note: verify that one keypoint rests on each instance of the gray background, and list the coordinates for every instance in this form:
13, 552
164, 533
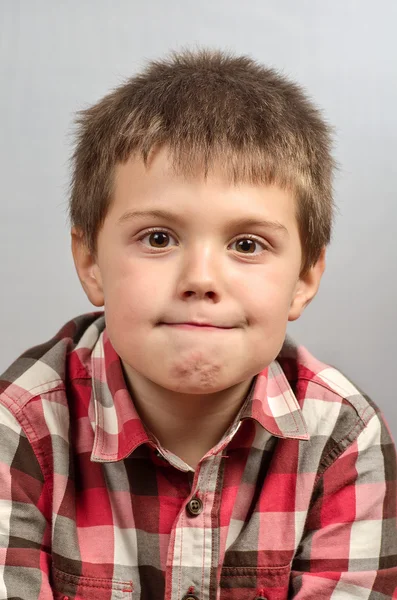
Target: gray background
56, 57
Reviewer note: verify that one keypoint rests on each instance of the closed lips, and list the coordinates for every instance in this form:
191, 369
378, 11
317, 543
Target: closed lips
193, 324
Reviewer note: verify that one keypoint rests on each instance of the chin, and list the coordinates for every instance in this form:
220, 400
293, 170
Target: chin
197, 389
202, 385
197, 376
203, 382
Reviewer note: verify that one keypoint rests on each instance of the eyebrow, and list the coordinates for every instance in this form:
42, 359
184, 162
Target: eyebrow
242, 223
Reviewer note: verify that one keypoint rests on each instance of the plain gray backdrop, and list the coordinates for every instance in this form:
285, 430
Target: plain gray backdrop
58, 57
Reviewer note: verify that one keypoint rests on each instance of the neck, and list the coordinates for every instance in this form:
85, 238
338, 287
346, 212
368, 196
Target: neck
188, 425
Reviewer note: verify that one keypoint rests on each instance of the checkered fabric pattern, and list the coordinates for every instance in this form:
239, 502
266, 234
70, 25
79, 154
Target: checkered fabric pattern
298, 500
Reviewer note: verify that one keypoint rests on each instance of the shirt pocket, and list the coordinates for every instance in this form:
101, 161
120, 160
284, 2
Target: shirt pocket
77, 587
251, 583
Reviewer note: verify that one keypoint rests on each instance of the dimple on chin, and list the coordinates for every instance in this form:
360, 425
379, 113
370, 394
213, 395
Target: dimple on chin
196, 373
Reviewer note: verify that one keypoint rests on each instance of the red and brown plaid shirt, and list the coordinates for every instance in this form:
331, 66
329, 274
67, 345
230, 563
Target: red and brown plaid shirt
298, 500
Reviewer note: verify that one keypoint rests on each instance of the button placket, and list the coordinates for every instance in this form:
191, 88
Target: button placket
193, 567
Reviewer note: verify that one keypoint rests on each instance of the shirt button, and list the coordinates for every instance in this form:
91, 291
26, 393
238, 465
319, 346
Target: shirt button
190, 597
260, 598
194, 508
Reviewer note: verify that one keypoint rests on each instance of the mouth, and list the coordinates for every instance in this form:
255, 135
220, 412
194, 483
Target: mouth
196, 326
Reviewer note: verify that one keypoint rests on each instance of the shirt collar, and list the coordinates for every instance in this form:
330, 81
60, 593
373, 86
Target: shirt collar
274, 406
119, 429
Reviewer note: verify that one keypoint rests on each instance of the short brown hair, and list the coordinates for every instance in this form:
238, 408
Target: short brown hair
212, 110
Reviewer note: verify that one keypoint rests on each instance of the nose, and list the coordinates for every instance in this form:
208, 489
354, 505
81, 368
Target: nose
200, 275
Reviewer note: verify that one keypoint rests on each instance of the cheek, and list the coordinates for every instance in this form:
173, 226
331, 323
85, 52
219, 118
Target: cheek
268, 299
131, 295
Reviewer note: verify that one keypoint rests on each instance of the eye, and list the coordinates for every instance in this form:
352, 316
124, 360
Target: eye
248, 245
157, 238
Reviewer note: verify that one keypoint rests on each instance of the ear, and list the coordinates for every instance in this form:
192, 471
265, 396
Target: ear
306, 288
87, 268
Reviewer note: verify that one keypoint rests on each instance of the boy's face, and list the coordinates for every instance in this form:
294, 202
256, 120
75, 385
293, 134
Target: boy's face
198, 277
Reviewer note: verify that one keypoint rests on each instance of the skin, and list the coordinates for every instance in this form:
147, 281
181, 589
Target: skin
200, 266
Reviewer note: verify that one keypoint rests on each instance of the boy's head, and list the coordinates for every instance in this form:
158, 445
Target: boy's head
202, 194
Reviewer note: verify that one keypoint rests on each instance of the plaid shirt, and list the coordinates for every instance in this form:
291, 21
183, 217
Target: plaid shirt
298, 500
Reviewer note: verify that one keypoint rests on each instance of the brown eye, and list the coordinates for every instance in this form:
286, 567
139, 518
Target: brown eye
159, 239
246, 246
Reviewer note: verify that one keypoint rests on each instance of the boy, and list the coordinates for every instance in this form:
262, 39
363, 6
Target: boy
177, 446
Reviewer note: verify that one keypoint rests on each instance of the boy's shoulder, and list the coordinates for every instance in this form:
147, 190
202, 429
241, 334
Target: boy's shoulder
49, 365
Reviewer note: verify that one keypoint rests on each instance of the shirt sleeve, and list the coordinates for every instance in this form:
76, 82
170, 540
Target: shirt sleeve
349, 547
25, 532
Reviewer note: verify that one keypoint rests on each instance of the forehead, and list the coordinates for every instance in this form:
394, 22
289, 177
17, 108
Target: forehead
159, 185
